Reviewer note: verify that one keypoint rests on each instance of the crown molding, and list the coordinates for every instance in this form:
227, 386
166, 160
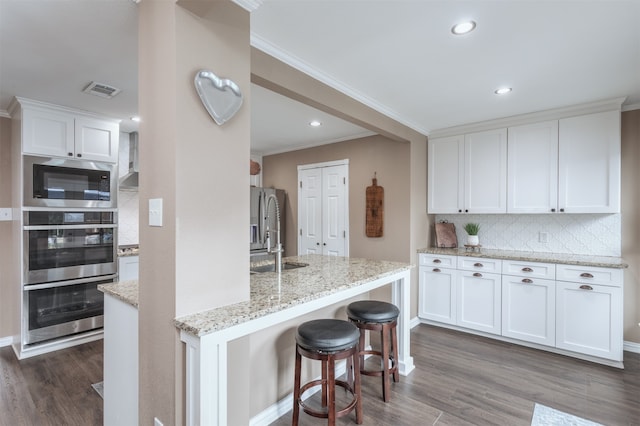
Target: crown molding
297, 63
535, 117
630, 107
249, 5
4, 113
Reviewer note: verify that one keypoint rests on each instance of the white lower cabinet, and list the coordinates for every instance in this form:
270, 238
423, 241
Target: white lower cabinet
572, 308
479, 300
589, 319
528, 309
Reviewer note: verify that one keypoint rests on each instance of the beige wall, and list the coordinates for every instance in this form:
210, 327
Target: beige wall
9, 282
631, 222
199, 169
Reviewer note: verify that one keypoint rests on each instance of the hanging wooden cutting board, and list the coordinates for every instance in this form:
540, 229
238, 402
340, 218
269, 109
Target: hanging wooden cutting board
375, 210
446, 235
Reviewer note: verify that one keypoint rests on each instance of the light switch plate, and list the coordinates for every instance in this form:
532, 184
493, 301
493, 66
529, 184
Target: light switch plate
155, 212
5, 214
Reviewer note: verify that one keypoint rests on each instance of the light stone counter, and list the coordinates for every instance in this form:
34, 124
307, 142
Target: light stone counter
558, 258
271, 293
127, 291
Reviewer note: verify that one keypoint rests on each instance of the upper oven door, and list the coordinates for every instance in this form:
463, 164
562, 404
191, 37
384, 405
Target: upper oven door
58, 182
68, 245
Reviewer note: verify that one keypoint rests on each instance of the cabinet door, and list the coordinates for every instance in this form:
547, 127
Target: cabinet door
478, 304
47, 133
532, 160
485, 172
589, 163
96, 140
589, 319
528, 309
437, 299
445, 170
128, 267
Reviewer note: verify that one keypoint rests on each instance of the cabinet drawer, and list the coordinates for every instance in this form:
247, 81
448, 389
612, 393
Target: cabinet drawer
589, 275
440, 261
529, 269
479, 264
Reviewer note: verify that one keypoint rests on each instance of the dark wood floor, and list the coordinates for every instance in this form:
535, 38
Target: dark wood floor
52, 389
460, 379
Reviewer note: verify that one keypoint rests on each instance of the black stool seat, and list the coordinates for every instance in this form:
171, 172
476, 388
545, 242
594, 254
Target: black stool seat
327, 335
372, 311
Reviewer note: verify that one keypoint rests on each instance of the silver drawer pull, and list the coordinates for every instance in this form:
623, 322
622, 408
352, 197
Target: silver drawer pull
478, 265
436, 270
437, 261
527, 280
586, 275
527, 269
477, 274
586, 287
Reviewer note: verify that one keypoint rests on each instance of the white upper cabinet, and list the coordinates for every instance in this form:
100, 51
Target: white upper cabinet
468, 173
55, 132
589, 163
446, 175
485, 168
532, 182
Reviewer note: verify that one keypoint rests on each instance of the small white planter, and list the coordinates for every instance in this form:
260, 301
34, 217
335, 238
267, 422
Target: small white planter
473, 240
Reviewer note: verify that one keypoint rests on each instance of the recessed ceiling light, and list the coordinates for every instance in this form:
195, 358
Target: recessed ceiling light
135, 118
503, 90
463, 27
315, 123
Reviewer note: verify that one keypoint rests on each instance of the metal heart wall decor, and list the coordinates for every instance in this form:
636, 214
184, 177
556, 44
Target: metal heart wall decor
220, 96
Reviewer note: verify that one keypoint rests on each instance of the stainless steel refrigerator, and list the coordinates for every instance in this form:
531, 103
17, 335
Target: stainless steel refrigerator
258, 219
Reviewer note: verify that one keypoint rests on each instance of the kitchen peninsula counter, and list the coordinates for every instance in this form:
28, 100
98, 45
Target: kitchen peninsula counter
274, 299
126, 291
529, 256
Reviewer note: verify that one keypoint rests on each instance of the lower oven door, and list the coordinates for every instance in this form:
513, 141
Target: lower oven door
55, 310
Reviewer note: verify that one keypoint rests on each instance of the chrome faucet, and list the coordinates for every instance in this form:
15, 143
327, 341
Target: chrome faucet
278, 250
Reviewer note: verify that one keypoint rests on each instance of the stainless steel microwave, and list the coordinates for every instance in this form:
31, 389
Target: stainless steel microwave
60, 182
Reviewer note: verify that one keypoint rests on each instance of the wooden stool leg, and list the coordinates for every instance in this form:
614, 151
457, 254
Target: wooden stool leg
385, 363
357, 385
324, 383
394, 352
331, 389
296, 389
363, 333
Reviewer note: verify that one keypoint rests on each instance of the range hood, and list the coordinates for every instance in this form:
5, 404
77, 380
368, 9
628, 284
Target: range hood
130, 180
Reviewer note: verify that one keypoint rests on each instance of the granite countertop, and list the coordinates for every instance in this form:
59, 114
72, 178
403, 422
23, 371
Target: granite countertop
558, 258
272, 293
128, 250
127, 291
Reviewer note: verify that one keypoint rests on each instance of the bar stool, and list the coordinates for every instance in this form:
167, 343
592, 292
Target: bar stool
373, 315
327, 340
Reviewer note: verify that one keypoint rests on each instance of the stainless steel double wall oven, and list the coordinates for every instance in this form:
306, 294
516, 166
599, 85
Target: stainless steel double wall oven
69, 245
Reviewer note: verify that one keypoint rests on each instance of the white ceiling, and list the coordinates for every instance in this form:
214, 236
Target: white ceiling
398, 57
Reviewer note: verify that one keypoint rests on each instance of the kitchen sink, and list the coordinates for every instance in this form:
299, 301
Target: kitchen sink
271, 267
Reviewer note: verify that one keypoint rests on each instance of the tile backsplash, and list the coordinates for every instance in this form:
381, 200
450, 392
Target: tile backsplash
128, 202
590, 234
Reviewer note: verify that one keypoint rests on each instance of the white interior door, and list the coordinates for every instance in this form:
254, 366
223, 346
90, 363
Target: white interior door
323, 209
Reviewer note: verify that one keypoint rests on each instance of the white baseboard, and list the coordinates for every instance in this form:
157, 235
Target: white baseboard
414, 322
6, 341
632, 347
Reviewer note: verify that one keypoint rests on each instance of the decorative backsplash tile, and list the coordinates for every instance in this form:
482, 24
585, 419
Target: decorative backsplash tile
128, 202
591, 234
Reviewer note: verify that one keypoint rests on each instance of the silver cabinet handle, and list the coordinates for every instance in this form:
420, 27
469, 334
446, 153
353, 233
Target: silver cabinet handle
586, 287
477, 274
436, 270
527, 281
527, 269
586, 275
437, 261
478, 265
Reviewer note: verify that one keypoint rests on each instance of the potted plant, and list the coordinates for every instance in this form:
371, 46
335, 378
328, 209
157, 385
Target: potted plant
472, 233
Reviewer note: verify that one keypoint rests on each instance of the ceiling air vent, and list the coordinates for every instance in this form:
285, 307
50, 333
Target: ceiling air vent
102, 90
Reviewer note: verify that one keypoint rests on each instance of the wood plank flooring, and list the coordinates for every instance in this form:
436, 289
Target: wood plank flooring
52, 389
460, 379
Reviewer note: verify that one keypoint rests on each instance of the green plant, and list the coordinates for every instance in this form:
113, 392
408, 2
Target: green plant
472, 228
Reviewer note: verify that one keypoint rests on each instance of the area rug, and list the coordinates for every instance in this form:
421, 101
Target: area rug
547, 416
99, 387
